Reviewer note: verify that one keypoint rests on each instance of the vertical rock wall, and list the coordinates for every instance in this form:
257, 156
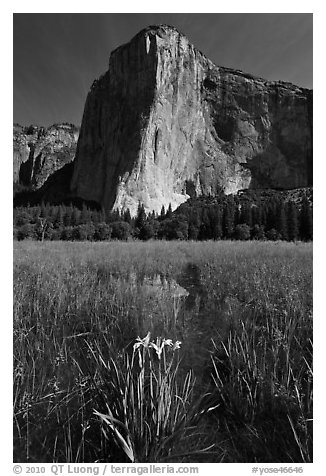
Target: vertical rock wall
39, 152
164, 123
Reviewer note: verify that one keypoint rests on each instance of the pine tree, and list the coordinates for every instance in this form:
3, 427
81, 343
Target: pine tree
194, 224
246, 214
217, 223
140, 221
115, 215
75, 217
103, 216
306, 220
52, 214
229, 218
162, 214
85, 216
95, 216
292, 221
169, 212
271, 215
140, 217
58, 223
68, 216
205, 227
36, 213
281, 221
127, 216
43, 211
238, 214
257, 214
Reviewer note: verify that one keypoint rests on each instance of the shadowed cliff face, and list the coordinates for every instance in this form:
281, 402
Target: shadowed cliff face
165, 123
40, 152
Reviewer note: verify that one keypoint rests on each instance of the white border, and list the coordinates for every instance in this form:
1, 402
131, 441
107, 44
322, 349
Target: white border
61, 6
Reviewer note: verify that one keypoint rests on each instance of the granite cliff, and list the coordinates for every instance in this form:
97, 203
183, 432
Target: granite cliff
164, 124
39, 152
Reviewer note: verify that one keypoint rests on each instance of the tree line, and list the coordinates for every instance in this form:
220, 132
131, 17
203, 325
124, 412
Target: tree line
204, 218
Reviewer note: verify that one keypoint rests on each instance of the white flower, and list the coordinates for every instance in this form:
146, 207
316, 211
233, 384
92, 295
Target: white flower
167, 342
176, 345
142, 342
160, 344
158, 347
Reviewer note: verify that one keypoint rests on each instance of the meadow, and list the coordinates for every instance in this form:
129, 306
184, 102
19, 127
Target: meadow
162, 351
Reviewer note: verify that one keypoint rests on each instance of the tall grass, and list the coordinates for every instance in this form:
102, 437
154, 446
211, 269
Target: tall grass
147, 408
244, 380
264, 386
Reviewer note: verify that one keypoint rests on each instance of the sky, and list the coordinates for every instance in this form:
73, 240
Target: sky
56, 57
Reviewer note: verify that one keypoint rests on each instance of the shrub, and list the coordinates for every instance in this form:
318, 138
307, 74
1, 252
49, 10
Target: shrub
121, 230
26, 231
258, 232
273, 235
102, 232
173, 229
83, 232
147, 231
67, 233
242, 232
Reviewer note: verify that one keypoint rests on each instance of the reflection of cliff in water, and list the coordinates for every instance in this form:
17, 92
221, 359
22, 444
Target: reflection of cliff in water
177, 308
205, 317
158, 285
199, 319
180, 308
190, 280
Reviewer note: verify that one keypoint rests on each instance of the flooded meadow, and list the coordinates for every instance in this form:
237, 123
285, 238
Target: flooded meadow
241, 314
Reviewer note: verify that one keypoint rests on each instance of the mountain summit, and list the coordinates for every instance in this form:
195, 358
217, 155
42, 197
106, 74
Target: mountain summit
164, 124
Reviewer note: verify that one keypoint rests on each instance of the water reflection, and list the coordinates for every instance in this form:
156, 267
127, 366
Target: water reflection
158, 285
182, 308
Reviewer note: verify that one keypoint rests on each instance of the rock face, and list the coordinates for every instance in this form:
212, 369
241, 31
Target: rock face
164, 123
39, 152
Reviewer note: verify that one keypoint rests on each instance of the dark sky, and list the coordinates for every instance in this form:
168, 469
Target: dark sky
57, 56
